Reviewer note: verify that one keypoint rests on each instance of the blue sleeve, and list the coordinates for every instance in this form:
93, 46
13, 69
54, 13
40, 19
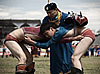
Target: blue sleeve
57, 37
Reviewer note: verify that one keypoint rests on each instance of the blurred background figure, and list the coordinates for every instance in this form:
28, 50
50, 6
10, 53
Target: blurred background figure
97, 48
47, 53
4, 51
34, 51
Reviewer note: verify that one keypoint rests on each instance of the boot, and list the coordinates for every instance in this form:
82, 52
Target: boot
30, 69
76, 71
20, 69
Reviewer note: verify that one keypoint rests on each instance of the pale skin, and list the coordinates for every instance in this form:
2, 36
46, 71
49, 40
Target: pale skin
80, 49
19, 50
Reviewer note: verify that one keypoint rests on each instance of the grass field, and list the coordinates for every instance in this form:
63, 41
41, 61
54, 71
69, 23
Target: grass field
42, 65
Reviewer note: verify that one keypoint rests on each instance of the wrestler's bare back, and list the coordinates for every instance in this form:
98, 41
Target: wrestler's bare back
19, 34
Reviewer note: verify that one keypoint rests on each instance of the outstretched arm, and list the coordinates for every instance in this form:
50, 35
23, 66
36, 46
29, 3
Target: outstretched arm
70, 39
56, 38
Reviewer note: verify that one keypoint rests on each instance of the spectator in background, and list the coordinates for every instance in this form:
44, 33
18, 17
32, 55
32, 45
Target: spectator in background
34, 51
47, 53
97, 47
91, 49
4, 51
39, 51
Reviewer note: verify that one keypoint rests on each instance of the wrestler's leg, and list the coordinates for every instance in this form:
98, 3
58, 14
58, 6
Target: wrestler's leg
80, 49
29, 57
29, 61
17, 51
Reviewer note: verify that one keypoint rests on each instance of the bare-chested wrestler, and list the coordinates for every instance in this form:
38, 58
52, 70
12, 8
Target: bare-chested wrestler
15, 42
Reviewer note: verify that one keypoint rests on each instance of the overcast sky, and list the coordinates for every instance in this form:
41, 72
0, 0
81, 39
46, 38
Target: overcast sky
34, 9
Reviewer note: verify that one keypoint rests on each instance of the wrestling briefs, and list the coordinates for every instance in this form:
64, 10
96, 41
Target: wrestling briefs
85, 33
88, 33
26, 30
10, 38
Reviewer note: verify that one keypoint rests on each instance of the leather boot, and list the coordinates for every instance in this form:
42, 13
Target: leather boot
20, 69
76, 71
30, 69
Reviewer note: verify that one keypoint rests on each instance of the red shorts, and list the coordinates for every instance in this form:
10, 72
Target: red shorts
85, 33
26, 30
10, 38
88, 33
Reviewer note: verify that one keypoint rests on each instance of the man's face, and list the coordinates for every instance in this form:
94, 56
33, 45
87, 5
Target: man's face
49, 33
52, 13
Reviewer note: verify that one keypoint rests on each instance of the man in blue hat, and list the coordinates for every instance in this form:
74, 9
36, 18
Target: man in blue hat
60, 53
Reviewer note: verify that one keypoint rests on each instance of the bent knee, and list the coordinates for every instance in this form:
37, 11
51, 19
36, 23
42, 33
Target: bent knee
25, 60
22, 59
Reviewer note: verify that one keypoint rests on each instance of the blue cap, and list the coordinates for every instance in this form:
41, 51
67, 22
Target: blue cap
51, 6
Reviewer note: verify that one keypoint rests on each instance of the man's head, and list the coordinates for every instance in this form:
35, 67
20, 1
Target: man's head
48, 29
51, 10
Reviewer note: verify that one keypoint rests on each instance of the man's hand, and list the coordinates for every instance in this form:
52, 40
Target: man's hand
29, 40
78, 38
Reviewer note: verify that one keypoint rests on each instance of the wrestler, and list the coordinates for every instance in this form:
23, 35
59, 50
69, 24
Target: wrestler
79, 23
81, 48
15, 42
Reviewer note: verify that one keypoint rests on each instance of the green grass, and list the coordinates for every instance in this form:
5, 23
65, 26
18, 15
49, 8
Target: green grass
91, 65
42, 65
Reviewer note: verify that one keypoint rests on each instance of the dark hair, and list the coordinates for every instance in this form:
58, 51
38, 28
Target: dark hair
46, 26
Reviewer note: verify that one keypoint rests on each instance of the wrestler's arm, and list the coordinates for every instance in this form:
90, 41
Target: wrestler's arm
70, 33
63, 40
56, 38
69, 36
70, 39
